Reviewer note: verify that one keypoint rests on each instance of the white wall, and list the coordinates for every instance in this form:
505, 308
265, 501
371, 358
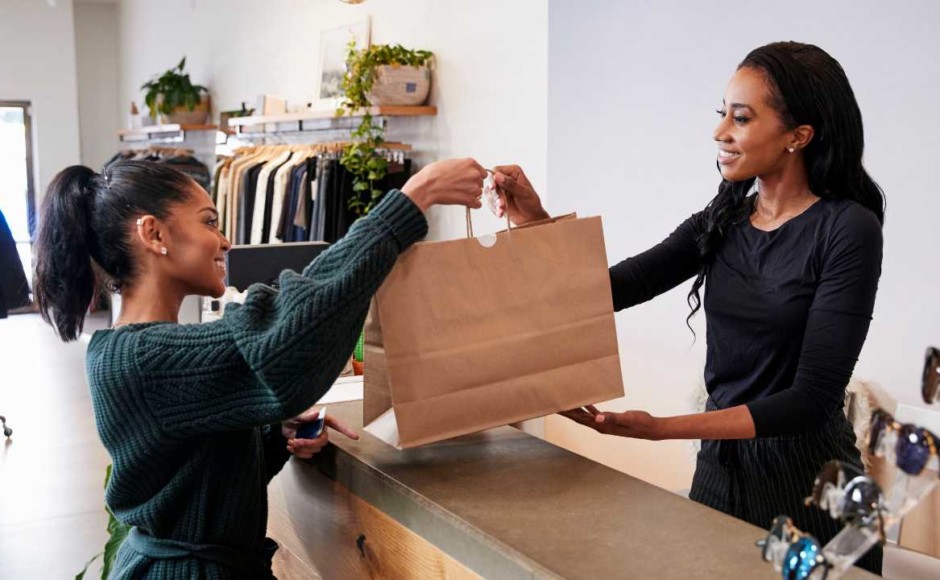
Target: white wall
96, 51
490, 84
37, 63
632, 90
611, 104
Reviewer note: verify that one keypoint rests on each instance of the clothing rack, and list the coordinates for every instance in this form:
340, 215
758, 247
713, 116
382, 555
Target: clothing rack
277, 193
200, 140
308, 192
179, 158
160, 150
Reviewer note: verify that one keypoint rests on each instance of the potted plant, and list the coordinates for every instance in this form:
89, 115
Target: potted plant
117, 533
380, 74
175, 98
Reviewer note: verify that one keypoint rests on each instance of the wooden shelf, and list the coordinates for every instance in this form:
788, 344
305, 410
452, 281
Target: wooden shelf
151, 130
316, 115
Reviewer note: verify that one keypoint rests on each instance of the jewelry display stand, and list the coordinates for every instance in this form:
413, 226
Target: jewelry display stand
854, 541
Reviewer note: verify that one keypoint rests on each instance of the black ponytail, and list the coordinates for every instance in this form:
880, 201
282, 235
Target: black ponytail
84, 232
807, 87
65, 280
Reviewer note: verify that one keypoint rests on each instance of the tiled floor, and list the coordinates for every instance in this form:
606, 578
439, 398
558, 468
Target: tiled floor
52, 518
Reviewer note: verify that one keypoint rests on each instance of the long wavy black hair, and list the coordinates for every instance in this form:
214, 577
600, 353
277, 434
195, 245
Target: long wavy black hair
84, 233
807, 87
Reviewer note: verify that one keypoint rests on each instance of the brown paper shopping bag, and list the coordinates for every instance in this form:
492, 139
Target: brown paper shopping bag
470, 334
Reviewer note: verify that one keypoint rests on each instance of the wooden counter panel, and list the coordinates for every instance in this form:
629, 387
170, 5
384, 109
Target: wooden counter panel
327, 532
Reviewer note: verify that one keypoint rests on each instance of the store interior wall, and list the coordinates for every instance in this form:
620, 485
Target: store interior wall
490, 85
609, 103
632, 90
97, 63
37, 64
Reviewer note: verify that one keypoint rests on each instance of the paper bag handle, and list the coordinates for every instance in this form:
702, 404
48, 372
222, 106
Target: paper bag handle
470, 221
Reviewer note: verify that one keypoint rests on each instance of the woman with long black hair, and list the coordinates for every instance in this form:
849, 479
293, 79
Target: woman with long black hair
790, 253
192, 414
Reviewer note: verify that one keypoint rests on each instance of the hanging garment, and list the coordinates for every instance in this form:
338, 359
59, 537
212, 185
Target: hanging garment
14, 290
236, 190
255, 233
248, 190
280, 197
299, 219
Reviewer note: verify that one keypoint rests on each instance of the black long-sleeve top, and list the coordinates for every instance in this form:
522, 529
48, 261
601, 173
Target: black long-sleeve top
787, 311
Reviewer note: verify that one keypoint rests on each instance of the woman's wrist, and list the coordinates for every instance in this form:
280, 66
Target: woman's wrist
417, 194
732, 423
658, 429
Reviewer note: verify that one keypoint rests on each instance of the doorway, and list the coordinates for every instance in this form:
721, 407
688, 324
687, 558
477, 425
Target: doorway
17, 200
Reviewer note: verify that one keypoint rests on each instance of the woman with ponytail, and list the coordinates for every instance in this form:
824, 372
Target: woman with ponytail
198, 418
790, 248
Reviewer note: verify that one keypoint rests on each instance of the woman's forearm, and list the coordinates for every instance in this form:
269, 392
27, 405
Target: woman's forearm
731, 423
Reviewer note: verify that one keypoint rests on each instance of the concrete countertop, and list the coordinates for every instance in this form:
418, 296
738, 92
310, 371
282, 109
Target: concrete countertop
510, 505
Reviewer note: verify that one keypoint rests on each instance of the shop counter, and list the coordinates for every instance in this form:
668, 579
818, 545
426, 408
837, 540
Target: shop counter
499, 504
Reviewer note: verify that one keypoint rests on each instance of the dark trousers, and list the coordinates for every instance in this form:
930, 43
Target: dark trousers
757, 480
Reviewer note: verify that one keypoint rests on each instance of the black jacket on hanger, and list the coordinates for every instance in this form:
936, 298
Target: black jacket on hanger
332, 216
14, 290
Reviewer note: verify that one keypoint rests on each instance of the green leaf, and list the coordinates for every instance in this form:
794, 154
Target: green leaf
81, 574
361, 158
118, 535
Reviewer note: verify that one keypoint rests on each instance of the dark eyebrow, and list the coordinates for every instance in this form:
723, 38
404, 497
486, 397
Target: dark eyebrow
742, 106
214, 211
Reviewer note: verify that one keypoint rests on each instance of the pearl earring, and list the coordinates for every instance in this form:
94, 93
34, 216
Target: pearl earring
163, 251
791, 149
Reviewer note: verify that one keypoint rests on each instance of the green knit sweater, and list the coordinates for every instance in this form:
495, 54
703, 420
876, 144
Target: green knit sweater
190, 413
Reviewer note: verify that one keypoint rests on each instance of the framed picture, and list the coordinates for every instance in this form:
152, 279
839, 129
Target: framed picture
333, 44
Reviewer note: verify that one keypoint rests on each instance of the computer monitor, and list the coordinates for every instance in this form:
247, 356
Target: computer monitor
250, 264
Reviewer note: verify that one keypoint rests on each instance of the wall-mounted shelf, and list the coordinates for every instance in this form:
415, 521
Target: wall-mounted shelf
314, 126
169, 131
299, 118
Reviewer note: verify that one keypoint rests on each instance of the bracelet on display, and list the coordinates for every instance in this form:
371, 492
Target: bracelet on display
849, 495
914, 446
930, 384
797, 554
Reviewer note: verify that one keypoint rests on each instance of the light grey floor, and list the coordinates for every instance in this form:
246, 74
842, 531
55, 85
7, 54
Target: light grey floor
52, 518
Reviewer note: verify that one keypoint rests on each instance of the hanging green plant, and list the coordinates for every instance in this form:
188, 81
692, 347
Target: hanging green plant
172, 89
361, 157
117, 533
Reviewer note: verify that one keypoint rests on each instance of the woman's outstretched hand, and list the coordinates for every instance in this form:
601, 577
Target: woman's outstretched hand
635, 424
447, 182
519, 197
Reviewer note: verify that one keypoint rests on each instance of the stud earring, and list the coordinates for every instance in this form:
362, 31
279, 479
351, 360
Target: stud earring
140, 221
791, 149
163, 251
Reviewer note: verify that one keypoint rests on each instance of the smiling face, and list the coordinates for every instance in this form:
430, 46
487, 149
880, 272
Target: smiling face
753, 140
196, 248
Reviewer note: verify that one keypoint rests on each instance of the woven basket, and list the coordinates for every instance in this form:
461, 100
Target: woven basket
400, 85
183, 116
